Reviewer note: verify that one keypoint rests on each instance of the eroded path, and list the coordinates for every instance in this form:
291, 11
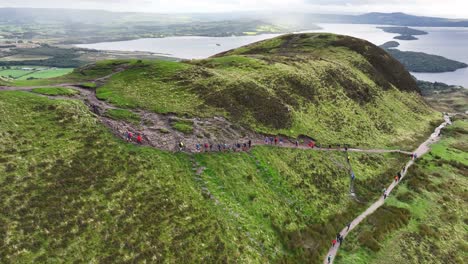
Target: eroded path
421, 150
158, 131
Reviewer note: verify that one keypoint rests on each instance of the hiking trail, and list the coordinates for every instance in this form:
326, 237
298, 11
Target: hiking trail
421, 150
157, 129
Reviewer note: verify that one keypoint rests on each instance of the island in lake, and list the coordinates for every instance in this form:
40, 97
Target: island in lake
420, 61
406, 33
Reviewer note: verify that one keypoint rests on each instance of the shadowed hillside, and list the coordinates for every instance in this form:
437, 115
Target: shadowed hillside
335, 89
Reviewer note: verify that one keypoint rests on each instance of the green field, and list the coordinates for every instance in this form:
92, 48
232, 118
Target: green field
19, 73
425, 220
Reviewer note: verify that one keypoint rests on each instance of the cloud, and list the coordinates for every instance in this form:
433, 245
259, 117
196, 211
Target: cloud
450, 8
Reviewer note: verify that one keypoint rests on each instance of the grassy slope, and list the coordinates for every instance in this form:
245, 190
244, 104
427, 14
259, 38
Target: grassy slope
69, 191
434, 198
332, 88
55, 91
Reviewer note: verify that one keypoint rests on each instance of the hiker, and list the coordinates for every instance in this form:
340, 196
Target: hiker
245, 147
276, 140
219, 147
353, 176
129, 136
139, 139
329, 259
198, 147
181, 146
338, 236
396, 178
333, 242
346, 149
297, 144
385, 193
311, 144
267, 140
348, 226
341, 239
281, 141
207, 146
250, 143
399, 175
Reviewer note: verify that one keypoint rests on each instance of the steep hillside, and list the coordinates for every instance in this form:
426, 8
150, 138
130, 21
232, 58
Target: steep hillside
70, 191
335, 89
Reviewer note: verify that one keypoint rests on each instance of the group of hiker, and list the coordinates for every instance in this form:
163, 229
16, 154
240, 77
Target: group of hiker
339, 239
210, 147
130, 137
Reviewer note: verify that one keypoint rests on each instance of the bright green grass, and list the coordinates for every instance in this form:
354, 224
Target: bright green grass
123, 114
183, 126
70, 191
84, 74
13, 73
55, 91
434, 192
45, 74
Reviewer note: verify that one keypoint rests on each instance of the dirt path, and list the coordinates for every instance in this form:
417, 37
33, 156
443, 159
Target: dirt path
158, 130
421, 150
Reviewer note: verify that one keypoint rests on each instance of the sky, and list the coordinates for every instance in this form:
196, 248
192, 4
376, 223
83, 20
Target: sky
444, 8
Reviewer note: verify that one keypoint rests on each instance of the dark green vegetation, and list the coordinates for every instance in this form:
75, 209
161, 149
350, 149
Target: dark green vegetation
122, 114
406, 33
423, 62
71, 192
389, 45
403, 30
52, 56
332, 88
425, 220
55, 91
406, 37
430, 88
445, 98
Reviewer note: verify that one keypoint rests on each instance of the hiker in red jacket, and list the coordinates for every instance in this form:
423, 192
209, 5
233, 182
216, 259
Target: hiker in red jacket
311, 144
333, 242
396, 178
276, 140
139, 139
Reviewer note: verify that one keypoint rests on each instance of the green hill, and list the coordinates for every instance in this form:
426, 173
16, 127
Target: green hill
331, 88
70, 191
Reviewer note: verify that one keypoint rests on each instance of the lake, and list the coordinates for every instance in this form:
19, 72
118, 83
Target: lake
448, 42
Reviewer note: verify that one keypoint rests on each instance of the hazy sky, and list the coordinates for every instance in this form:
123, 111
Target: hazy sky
447, 8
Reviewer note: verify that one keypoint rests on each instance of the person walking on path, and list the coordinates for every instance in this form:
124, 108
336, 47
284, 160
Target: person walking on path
129, 136
139, 139
329, 259
181, 146
333, 242
276, 140
348, 226
250, 143
297, 143
397, 178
